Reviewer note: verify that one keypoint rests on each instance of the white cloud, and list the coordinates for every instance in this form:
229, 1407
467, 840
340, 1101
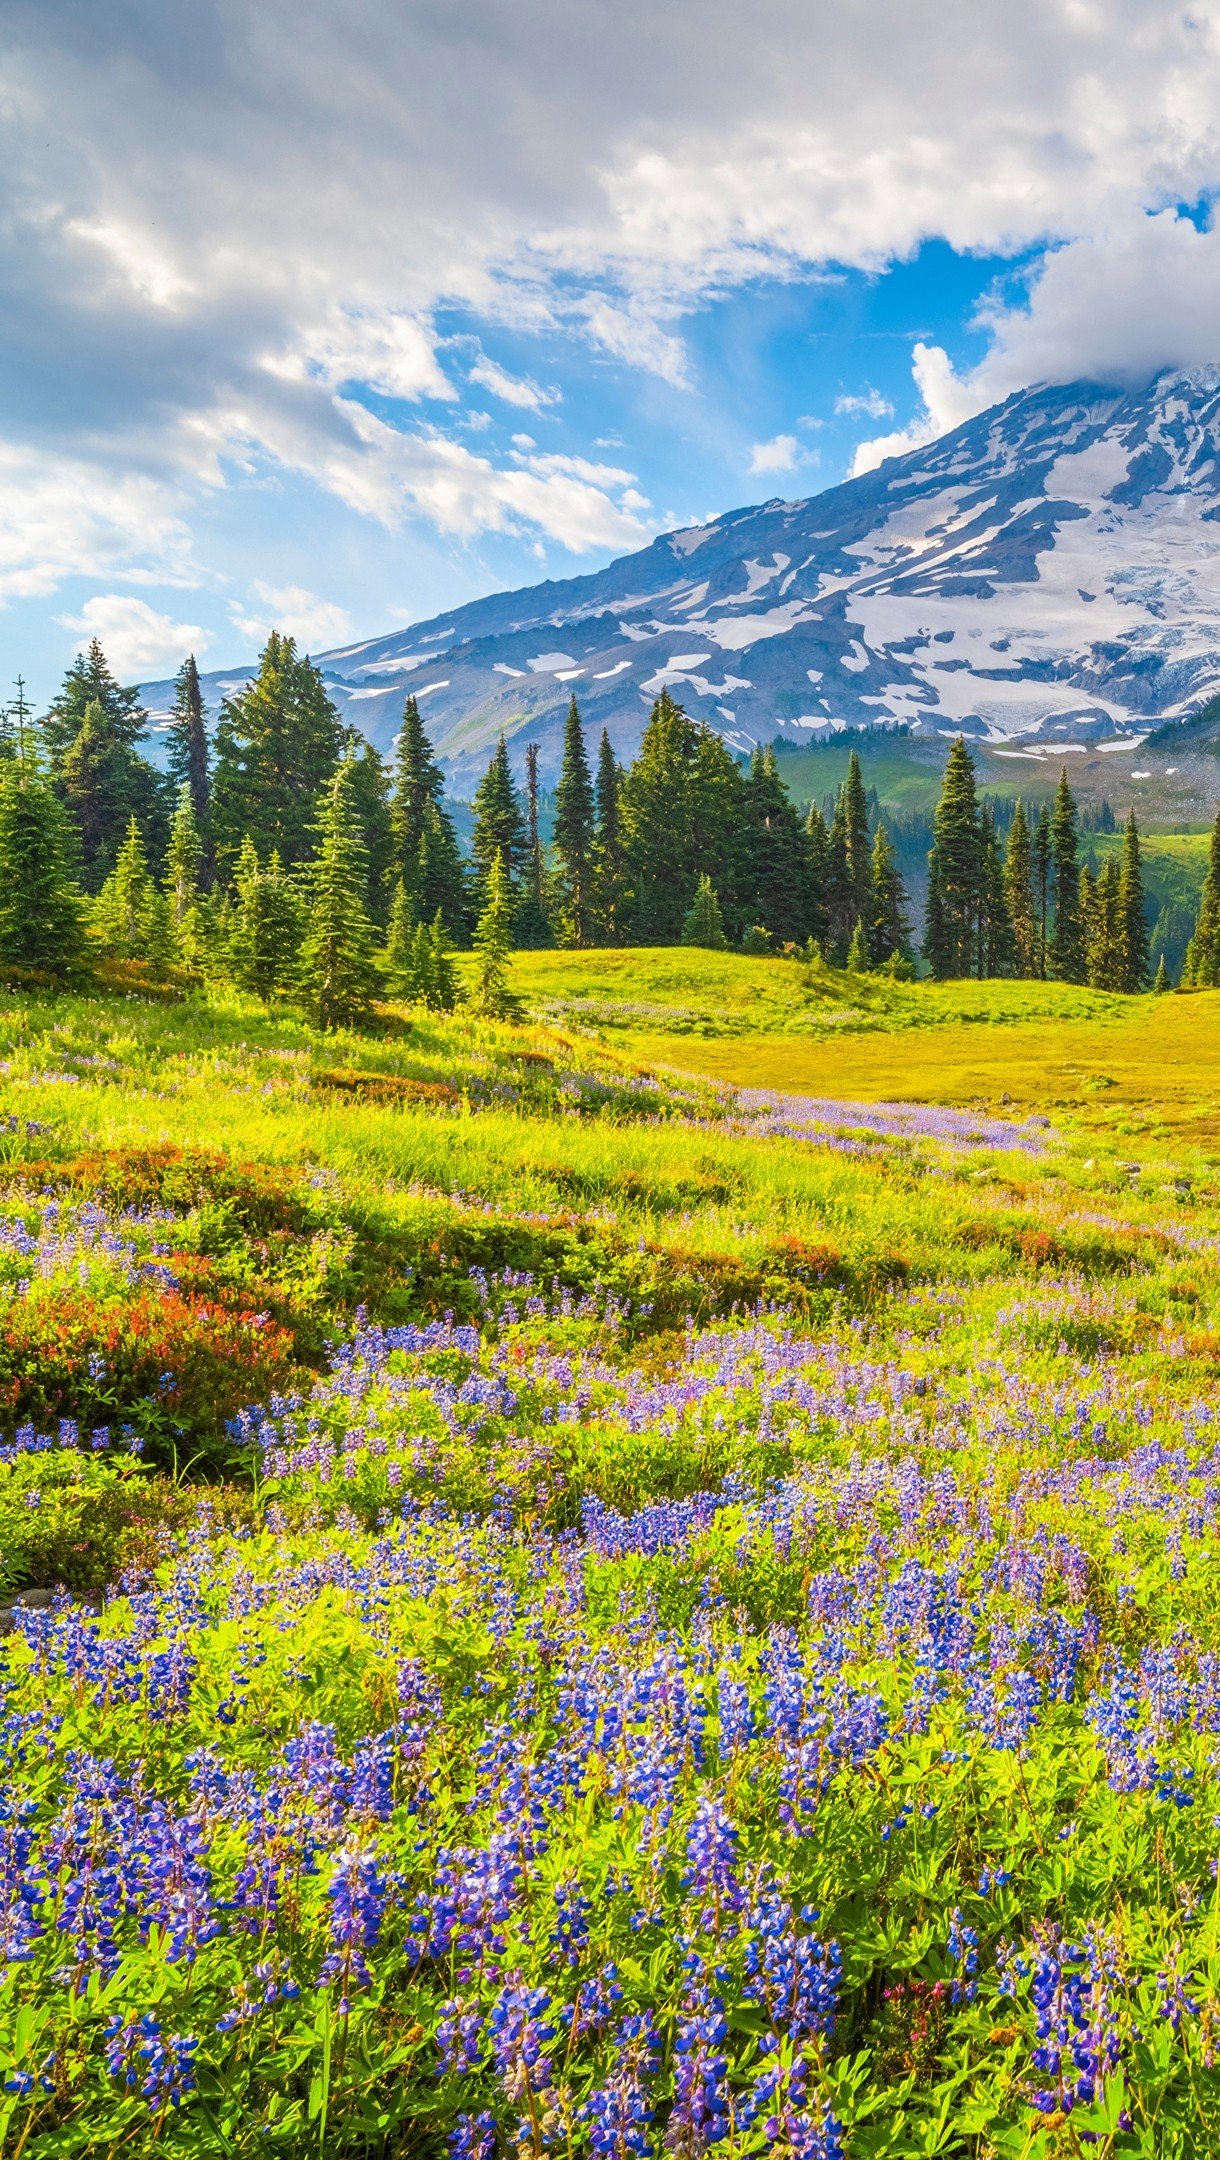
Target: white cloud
513, 389
946, 400
782, 454
868, 404
524, 442
315, 624
137, 641
221, 222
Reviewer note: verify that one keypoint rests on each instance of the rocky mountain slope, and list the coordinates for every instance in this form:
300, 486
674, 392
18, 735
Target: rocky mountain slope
1050, 572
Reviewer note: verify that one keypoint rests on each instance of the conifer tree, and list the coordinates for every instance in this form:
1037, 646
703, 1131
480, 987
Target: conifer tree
778, 854
400, 944
1067, 954
183, 856
1102, 924
818, 842
90, 682
574, 836
41, 914
425, 850
1135, 955
1041, 853
1161, 982
856, 841
840, 921
266, 926
277, 740
682, 815
955, 869
997, 943
1202, 965
610, 880
124, 914
493, 939
859, 959
371, 794
1091, 920
338, 970
443, 990
499, 829
1019, 895
104, 782
189, 760
888, 930
703, 923
533, 924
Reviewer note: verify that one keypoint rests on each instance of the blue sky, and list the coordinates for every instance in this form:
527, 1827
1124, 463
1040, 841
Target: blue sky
332, 321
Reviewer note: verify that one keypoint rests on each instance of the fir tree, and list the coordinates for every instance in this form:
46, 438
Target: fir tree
888, 930
839, 918
682, 816
124, 912
574, 835
371, 794
1091, 919
104, 783
90, 682
533, 925
955, 871
499, 829
277, 741
997, 943
266, 926
338, 970
41, 914
1161, 982
610, 880
703, 923
426, 855
1135, 955
777, 850
183, 856
1102, 926
818, 860
493, 939
1202, 964
188, 760
1041, 853
1019, 895
1067, 954
856, 842
859, 959
443, 990
400, 944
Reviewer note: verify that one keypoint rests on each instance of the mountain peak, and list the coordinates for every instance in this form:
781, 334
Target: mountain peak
1049, 568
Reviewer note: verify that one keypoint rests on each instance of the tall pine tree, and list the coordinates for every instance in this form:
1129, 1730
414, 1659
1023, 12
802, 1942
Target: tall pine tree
856, 842
277, 742
888, 930
189, 758
42, 927
371, 794
1019, 895
499, 829
338, 970
777, 853
610, 875
682, 817
493, 940
574, 836
1067, 958
1202, 965
955, 871
426, 855
1135, 954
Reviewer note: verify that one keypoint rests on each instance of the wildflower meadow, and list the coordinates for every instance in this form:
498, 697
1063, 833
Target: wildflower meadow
551, 1608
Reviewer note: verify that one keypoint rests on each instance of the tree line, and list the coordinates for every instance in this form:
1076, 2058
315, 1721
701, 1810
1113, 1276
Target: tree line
284, 855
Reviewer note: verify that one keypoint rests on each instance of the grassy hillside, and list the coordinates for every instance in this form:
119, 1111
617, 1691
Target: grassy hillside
596, 1611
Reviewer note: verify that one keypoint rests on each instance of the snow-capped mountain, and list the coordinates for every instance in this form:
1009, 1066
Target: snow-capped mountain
1051, 568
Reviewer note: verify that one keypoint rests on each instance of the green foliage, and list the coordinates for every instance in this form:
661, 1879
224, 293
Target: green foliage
1019, 896
276, 745
532, 926
955, 869
129, 915
338, 971
779, 888
1202, 964
703, 923
888, 928
499, 828
610, 862
41, 915
266, 926
573, 837
682, 810
1068, 959
859, 957
189, 758
425, 853
493, 939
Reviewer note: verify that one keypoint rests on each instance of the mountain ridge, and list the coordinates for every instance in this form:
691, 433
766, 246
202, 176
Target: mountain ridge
1049, 570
